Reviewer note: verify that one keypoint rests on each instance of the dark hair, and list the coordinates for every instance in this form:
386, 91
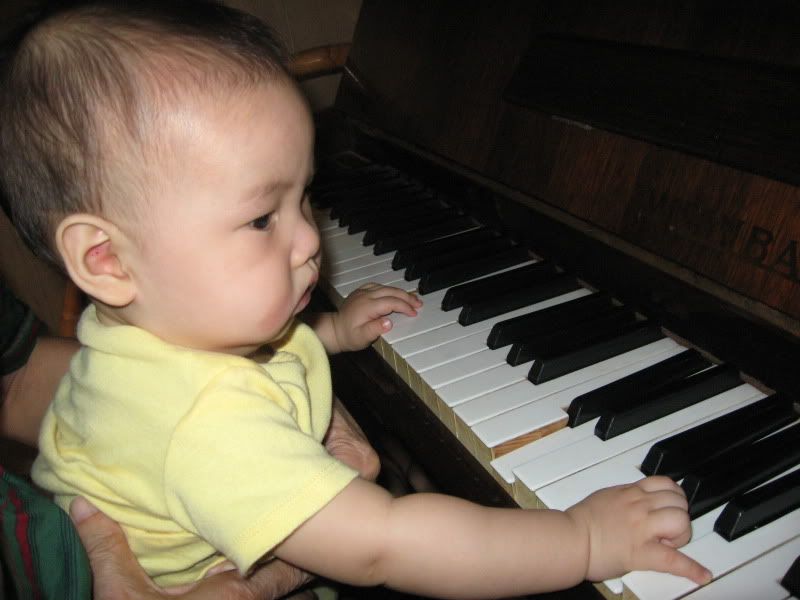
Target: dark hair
80, 80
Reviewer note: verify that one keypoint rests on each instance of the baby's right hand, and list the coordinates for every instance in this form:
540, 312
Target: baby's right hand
638, 527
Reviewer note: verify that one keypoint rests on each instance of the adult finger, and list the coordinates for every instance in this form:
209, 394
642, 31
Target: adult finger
117, 574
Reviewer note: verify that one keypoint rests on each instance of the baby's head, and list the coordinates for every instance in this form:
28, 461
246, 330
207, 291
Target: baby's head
144, 145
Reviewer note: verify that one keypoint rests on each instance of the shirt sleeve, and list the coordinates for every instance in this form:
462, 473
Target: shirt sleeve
19, 329
241, 473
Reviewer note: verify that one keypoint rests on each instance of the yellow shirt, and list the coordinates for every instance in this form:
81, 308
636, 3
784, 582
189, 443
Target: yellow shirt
198, 455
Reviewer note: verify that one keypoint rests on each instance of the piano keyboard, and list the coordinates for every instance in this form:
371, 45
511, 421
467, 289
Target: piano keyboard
556, 389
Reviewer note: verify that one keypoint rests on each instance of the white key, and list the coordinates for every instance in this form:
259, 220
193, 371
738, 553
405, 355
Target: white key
365, 272
469, 366
324, 221
454, 331
757, 579
495, 378
716, 554
611, 369
546, 410
592, 450
393, 278
445, 353
431, 316
366, 260
343, 248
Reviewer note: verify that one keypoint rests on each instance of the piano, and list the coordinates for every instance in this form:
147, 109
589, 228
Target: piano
599, 205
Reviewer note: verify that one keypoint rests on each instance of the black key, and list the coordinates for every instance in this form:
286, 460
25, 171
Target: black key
424, 234
694, 389
575, 336
554, 364
791, 580
528, 295
423, 266
339, 192
741, 469
499, 283
373, 216
406, 257
546, 321
411, 223
760, 506
625, 392
454, 274
370, 193
375, 205
323, 192
678, 454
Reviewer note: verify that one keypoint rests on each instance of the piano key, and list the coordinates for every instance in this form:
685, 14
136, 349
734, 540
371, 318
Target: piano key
349, 275
359, 262
494, 404
429, 316
454, 274
757, 579
575, 335
425, 234
740, 469
488, 287
512, 414
448, 352
421, 266
620, 469
359, 215
399, 210
713, 381
791, 579
676, 455
553, 362
428, 249
479, 311
512, 330
760, 506
393, 278
592, 450
338, 249
431, 218
341, 201
455, 331
716, 554
615, 396
324, 221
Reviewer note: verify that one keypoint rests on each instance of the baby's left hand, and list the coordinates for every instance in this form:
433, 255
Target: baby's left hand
363, 316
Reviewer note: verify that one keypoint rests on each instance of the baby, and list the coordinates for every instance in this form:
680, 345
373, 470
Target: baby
161, 155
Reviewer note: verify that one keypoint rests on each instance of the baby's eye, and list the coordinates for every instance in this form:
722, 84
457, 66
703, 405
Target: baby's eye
262, 222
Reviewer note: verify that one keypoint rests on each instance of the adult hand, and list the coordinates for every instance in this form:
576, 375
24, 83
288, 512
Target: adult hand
118, 576
346, 441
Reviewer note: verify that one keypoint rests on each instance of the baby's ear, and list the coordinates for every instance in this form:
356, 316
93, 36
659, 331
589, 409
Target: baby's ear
90, 248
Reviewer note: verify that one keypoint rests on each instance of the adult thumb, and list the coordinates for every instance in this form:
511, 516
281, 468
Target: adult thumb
116, 573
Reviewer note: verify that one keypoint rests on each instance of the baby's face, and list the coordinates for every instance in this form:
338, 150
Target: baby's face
230, 251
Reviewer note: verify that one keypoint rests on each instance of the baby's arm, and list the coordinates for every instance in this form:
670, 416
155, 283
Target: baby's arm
362, 317
441, 546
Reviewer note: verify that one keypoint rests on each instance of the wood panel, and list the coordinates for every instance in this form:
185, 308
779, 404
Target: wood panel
434, 74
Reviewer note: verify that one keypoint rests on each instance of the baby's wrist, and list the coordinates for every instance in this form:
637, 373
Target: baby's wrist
579, 517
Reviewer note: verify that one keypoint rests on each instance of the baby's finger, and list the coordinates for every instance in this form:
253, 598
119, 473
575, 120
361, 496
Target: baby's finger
390, 304
670, 523
657, 483
383, 291
660, 557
